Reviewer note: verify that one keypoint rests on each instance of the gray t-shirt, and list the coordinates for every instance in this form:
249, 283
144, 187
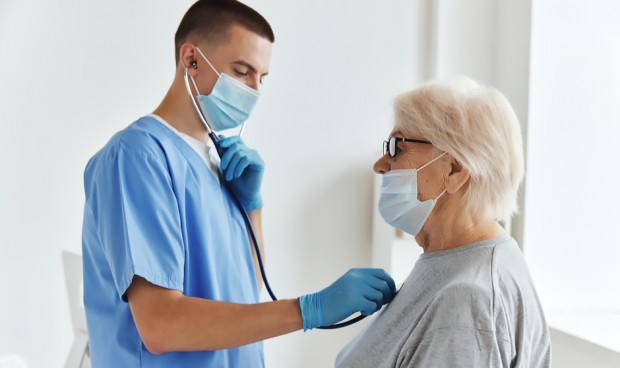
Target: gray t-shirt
472, 306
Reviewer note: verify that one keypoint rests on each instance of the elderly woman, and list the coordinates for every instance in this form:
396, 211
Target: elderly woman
451, 170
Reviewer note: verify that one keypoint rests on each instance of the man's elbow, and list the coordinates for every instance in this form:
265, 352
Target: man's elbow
151, 307
156, 342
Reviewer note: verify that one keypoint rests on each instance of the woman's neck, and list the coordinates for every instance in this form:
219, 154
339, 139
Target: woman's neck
455, 229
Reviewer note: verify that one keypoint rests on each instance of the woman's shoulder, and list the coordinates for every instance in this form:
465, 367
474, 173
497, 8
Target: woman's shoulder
508, 263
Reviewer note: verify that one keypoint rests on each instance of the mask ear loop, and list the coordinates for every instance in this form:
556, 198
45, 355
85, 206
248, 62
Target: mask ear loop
242, 128
442, 193
207, 60
430, 162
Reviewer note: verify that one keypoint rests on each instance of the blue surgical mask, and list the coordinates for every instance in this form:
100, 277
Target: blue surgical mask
230, 102
399, 204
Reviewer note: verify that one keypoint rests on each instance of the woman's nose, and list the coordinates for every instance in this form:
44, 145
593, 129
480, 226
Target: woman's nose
382, 165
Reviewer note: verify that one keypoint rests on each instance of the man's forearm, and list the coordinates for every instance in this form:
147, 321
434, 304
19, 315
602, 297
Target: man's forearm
169, 321
209, 325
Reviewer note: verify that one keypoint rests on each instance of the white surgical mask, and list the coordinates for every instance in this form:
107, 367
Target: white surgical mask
399, 204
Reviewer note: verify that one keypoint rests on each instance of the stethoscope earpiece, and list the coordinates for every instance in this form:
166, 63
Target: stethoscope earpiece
195, 65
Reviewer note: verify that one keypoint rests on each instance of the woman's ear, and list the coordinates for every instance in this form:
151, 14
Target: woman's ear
457, 178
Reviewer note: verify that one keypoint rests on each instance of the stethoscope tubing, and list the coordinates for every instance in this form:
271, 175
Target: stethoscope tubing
248, 224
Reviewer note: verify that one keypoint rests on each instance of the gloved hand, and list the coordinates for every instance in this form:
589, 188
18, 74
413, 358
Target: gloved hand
363, 290
243, 168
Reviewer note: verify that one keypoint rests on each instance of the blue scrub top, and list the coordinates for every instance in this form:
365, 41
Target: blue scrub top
154, 209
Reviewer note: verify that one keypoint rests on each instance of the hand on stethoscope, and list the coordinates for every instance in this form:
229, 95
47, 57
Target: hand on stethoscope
363, 290
242, 167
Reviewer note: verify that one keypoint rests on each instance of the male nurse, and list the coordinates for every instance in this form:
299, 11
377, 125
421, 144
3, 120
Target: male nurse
170, 277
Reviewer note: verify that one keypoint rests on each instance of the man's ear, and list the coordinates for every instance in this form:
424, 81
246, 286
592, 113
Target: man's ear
188, 58
457, 178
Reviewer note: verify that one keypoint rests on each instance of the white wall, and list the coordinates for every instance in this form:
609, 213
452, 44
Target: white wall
487, 40
72, 73
571, 241
574, 134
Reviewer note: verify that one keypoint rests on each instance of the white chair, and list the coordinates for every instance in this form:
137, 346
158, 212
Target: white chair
79, 356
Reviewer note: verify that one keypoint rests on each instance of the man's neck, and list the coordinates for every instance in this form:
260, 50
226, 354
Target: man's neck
177, 110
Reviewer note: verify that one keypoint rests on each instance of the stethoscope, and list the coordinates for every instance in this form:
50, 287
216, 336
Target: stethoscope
220, 151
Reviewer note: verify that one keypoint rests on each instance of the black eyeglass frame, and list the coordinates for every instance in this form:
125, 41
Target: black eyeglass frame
392, 145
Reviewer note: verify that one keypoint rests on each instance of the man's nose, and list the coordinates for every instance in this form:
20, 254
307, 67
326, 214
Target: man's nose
254, 83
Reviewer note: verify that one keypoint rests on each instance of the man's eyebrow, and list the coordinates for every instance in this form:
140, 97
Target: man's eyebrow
247, 65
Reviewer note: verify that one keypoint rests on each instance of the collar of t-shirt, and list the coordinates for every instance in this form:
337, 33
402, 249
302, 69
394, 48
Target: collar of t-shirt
204, 151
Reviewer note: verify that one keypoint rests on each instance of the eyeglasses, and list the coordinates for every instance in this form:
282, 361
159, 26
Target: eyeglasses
390, 146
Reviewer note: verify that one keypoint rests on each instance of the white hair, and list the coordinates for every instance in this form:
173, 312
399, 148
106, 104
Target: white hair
477, 126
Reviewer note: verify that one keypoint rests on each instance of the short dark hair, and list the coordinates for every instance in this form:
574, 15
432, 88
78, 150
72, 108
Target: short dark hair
211, 19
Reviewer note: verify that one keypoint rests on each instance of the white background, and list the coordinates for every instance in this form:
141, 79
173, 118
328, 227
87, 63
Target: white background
573, 185
573, 201
72, 73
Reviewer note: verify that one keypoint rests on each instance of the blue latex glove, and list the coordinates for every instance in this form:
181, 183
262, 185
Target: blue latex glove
243, 168
363, 290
